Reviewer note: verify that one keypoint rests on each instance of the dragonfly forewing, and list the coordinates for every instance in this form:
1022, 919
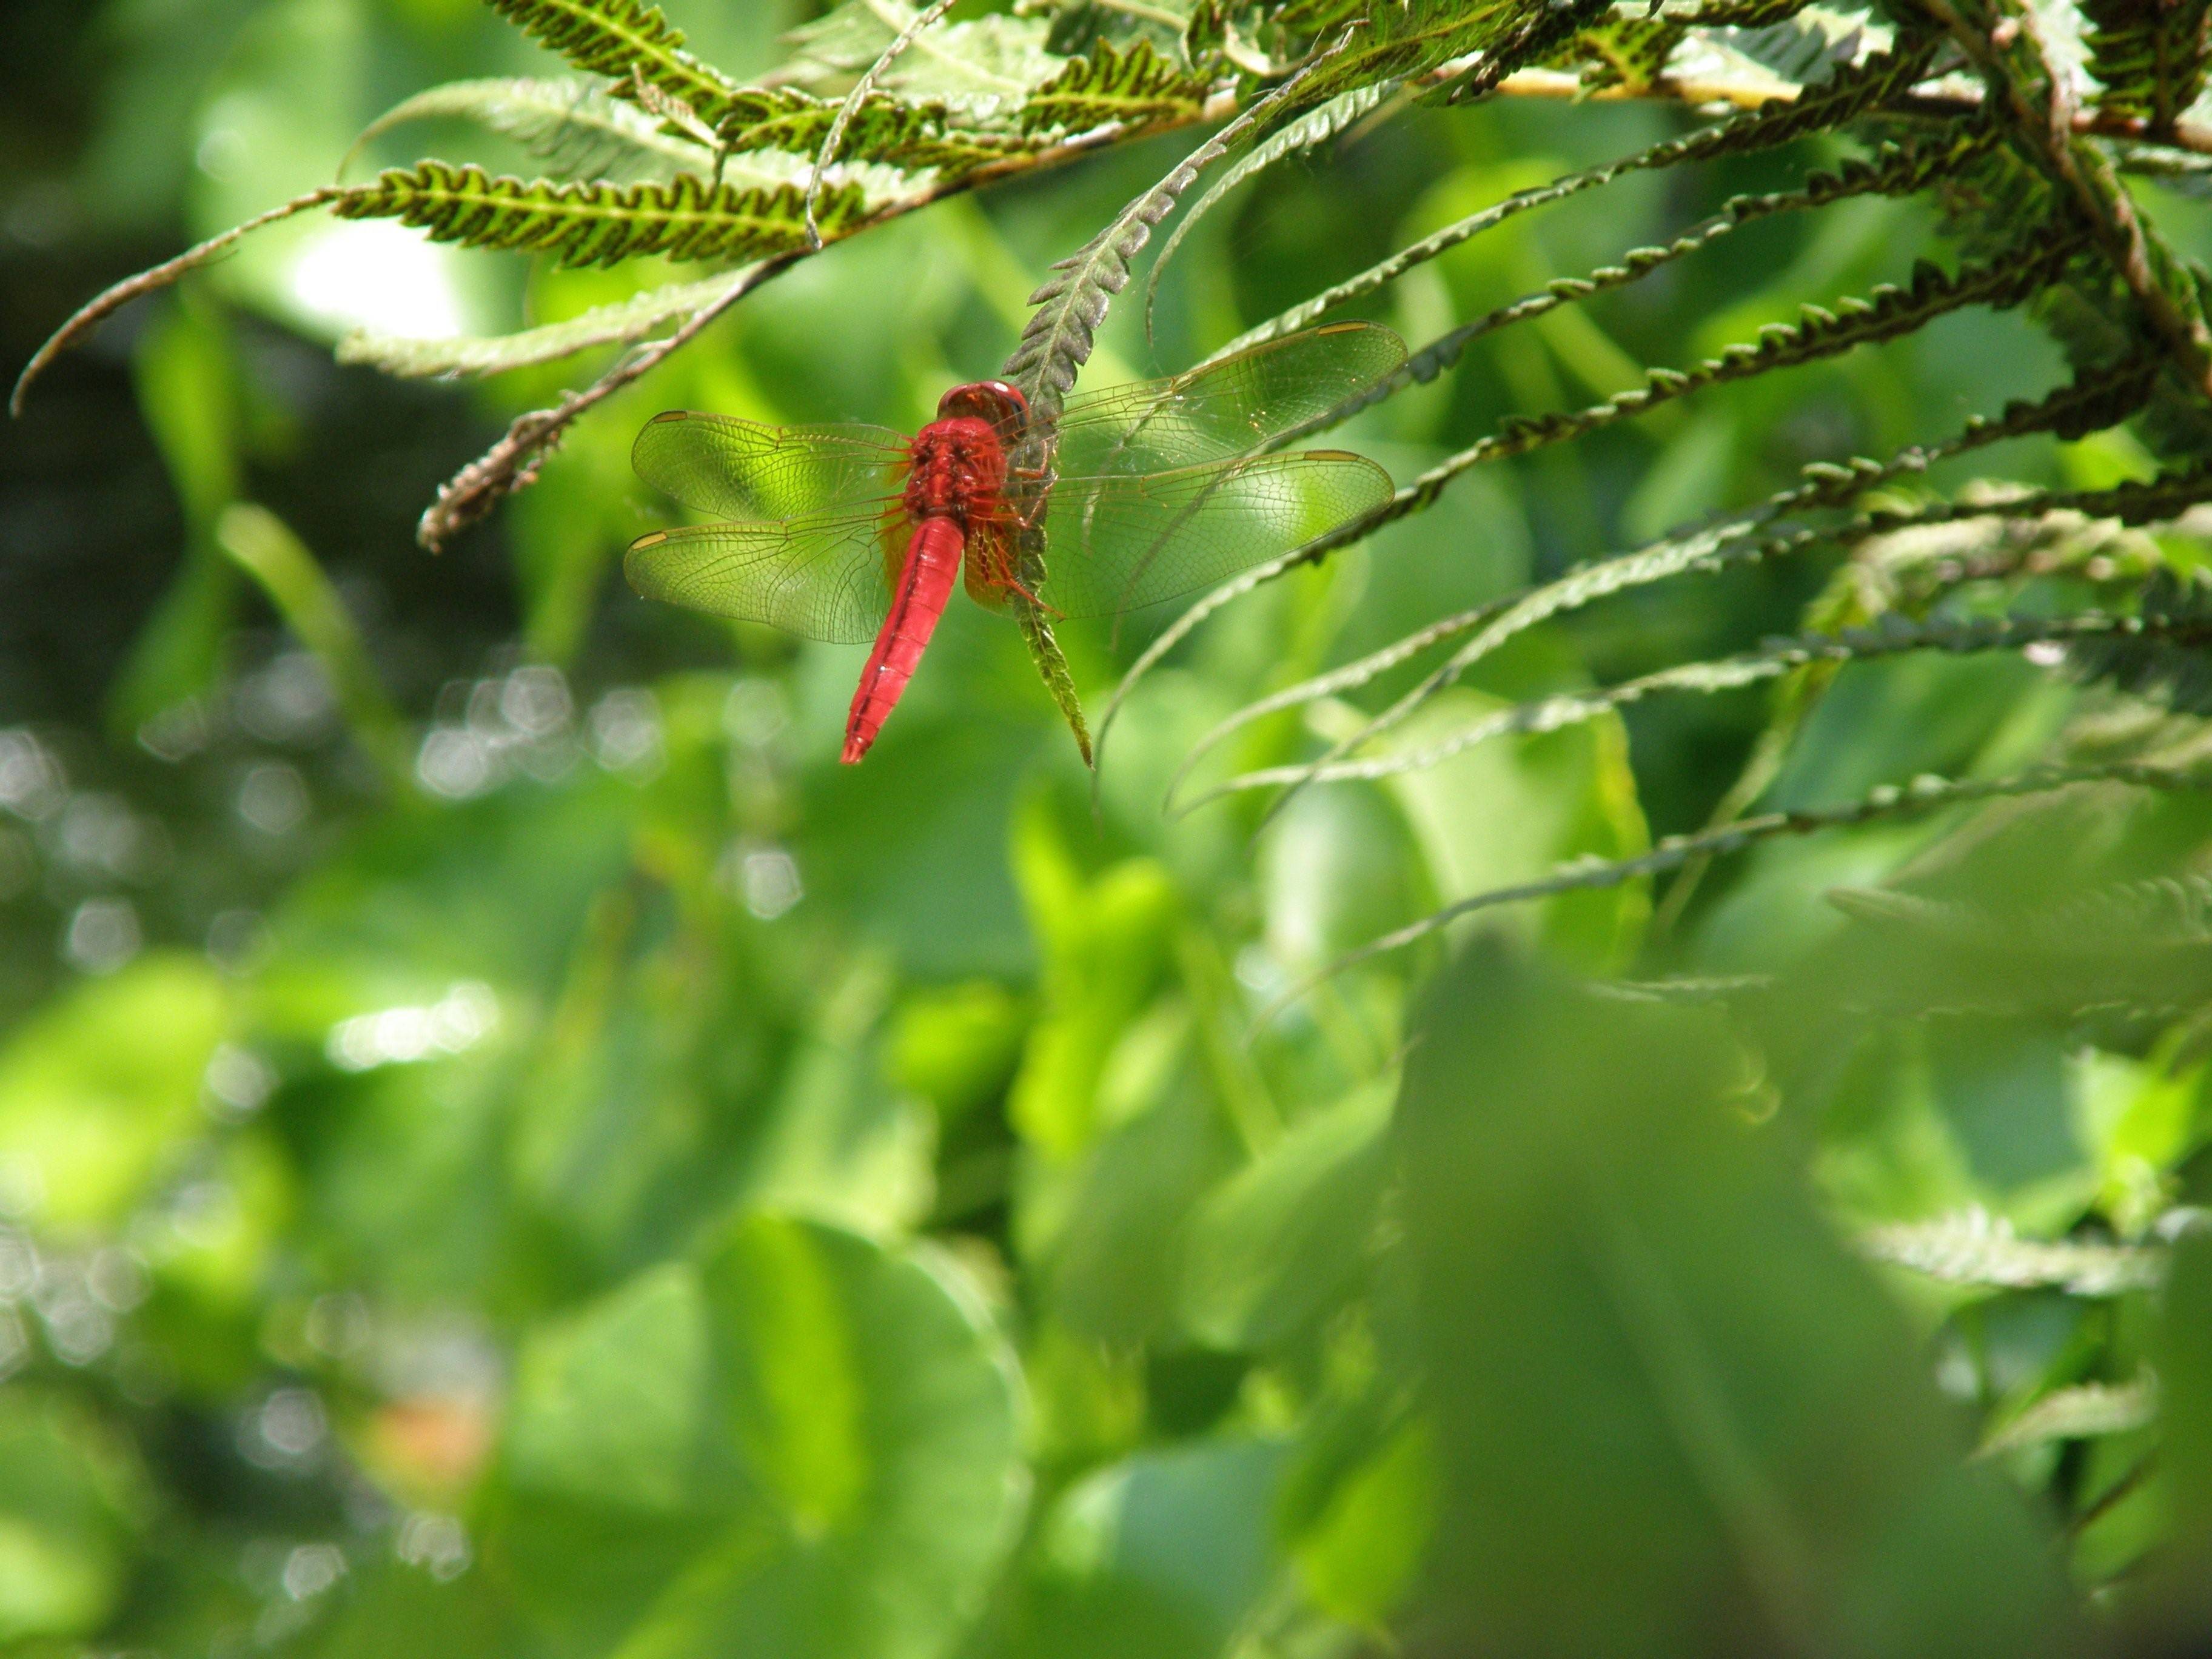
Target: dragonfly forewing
1120, 544
1245, 403
739, 468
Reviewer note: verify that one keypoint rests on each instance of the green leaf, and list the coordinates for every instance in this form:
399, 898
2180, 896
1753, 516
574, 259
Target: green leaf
188, 392
2179, 1602
1516, 809
261, 544
1286, 1237
956, 1045
1162, 1556
1112, 1233
1362, 1553
1613, 1263
99, 1092
835, 1144
393, 1606
801, 1444
1104, 943
592, 223
71, 1504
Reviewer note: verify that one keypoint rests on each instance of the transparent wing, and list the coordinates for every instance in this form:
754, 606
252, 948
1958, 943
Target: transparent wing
1242, 404
823, 575
1119, 543
736, 469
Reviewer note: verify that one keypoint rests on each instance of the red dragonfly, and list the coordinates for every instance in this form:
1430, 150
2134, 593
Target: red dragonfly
1155, 490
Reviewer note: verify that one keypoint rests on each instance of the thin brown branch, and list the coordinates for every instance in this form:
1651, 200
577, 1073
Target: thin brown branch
511, 463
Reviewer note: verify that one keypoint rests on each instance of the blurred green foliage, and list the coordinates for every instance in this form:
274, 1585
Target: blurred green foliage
506, 1148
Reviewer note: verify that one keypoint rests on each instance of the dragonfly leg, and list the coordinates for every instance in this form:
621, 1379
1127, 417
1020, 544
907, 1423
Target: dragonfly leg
1015, 583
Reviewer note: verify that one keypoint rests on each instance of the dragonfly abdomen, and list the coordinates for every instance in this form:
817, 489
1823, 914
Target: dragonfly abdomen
933, 563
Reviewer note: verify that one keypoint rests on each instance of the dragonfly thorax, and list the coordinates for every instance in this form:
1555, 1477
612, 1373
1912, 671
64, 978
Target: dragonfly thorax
959, 471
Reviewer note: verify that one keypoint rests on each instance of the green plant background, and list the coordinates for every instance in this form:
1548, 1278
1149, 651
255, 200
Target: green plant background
505, 1147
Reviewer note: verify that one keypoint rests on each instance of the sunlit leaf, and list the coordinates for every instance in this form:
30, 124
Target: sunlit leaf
797, 1440
100, 1095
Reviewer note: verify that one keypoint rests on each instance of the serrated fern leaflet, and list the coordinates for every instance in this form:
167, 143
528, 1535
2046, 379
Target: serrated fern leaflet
582, 224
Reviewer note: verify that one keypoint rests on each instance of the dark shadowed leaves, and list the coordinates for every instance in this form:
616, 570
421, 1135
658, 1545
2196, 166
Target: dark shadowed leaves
1674, 1416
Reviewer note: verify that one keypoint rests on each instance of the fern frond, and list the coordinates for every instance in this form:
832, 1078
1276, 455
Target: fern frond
1691, 991
850, 105
1131, 86
1503, 38
1885, 314
1803, 48
2091, 402
1974, 1247
1624, 49
1316, 126
1735, 14
572, 126
608, 325
1892, 170
589, 223
1052, 666
885, 130
2081, 1412
1888, 313
1057, 340
2164, 913
1894, 636
1922, 796
984, 66
620, 39
2166, 659
1851, 93
2150, 58
110, 300
2003, 40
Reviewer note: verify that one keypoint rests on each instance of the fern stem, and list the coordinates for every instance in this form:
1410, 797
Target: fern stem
1758, 129
2001, 281
1922, 796
835, 137
2003, 40
1748, 668
107, 304
2097, 398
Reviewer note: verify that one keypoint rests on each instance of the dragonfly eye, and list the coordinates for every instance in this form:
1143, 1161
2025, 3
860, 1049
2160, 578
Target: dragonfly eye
1002, 404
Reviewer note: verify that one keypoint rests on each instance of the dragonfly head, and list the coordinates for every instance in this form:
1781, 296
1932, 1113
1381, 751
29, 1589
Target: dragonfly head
994, 401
